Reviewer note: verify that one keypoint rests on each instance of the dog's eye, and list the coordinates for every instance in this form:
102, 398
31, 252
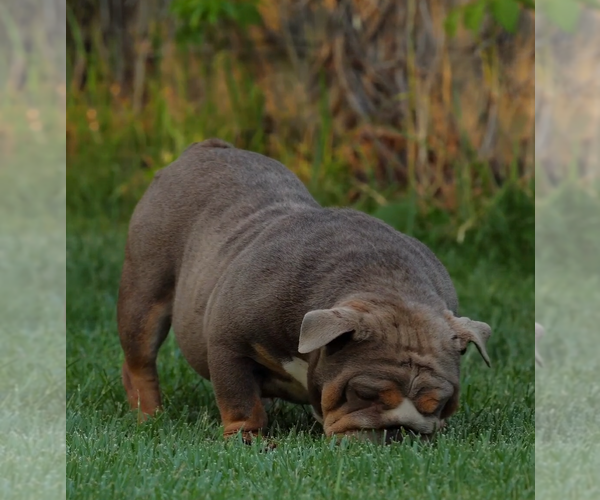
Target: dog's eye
366, 393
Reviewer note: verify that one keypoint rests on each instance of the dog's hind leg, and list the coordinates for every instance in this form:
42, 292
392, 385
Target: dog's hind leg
144, 318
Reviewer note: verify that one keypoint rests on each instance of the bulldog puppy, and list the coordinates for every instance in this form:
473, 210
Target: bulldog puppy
272, 296
539, 332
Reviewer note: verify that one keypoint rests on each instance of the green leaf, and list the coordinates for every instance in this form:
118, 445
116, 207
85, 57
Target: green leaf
213, 12
230, 10
451, 22
473, 15
564, 13
194, 18
199, 16
506, 13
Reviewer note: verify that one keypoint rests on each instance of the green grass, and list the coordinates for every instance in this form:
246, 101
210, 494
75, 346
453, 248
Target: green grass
567, 387
487, 451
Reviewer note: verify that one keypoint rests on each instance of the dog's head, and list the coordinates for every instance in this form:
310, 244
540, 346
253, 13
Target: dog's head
386, 367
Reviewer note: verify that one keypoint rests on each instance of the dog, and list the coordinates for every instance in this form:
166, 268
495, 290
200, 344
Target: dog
271, 295
539, 333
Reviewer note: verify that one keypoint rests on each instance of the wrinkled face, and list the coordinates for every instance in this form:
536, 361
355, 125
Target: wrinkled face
386, 393
386, 374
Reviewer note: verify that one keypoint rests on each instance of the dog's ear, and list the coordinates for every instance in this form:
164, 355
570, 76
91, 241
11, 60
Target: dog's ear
466, 330
322, 326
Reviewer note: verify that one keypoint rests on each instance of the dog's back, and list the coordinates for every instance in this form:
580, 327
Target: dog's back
207, 181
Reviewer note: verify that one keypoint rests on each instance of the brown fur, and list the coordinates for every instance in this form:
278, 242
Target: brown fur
260, 283
264, 358
428, 403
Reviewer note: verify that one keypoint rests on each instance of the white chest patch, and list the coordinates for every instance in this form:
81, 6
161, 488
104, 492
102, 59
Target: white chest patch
298, 369
407, 415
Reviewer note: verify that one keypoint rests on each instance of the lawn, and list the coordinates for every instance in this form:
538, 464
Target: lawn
486, 452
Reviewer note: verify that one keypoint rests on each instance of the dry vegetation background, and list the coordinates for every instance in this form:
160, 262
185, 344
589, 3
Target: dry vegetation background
374, 94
